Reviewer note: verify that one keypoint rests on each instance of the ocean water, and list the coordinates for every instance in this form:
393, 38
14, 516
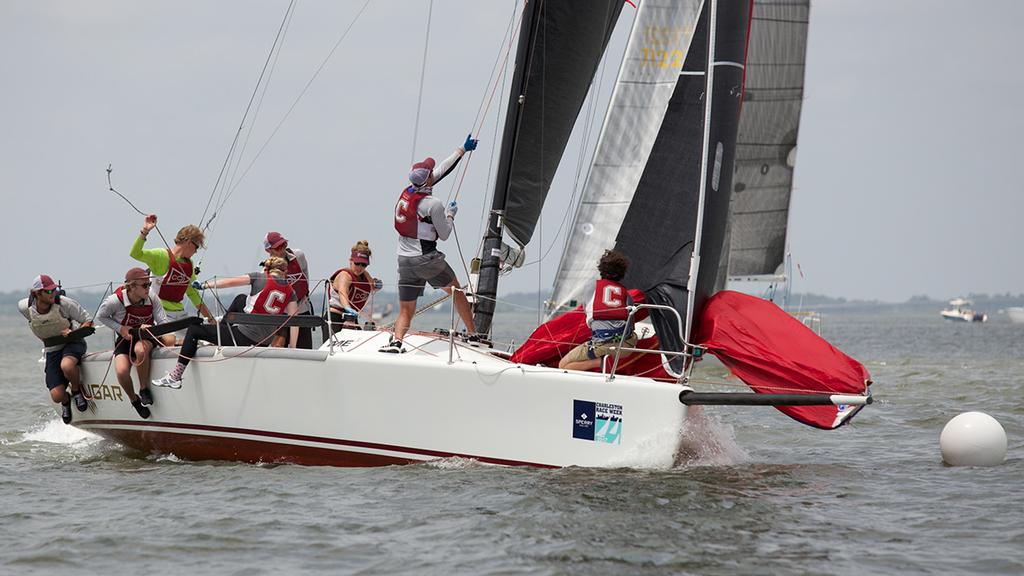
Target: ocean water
764, 495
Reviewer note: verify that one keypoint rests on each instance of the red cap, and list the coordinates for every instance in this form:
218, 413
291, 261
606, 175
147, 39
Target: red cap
43, 282
136, 274
360, 257
273, 240
427, 163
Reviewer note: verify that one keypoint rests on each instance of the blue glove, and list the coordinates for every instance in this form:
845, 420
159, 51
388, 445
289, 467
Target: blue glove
470, 144
452, 209
377, 284
351, 311
197, 285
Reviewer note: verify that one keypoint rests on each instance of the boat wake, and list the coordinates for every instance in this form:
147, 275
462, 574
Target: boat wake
707, 442
56, 432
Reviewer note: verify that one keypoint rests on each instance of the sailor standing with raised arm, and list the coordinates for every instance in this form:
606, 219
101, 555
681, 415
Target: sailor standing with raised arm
421, 219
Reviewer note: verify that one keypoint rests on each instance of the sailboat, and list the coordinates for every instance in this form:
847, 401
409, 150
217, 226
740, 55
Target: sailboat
346, 404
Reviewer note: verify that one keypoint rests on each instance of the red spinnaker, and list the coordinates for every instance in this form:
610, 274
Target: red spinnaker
773, 352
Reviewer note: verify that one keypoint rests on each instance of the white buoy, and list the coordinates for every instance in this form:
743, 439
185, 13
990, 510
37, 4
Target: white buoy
973, 439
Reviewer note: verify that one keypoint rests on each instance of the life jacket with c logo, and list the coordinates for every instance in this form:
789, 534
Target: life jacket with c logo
358, 290
177, 279
135, 315
610, 301
272, 299
406, 218
48, 325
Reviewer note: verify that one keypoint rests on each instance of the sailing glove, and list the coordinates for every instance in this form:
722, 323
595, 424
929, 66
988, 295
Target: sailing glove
452, 209
197, 285
470, 143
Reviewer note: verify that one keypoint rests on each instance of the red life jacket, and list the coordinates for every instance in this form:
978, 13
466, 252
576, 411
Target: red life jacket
135, 315
610, 301
406, 219
358, 290
297, 278
177, 279
273, 299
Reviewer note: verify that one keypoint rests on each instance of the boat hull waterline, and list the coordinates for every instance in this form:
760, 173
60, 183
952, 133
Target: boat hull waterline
359, 407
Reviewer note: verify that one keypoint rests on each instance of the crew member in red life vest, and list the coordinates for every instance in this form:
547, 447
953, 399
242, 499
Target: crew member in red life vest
298, 275
132, 306
351, 288
50, 315
606, 316
421, 220
270, 293
173, 272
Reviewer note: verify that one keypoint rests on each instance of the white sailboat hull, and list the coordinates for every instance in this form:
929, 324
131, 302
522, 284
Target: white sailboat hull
360, 407
963, 316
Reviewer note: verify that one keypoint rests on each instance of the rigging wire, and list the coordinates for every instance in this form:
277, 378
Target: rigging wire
423, 74
110, 185
234, 141
287, 114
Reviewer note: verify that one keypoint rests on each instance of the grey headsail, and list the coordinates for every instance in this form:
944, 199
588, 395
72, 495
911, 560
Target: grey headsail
682, 202
560, 46
766, 146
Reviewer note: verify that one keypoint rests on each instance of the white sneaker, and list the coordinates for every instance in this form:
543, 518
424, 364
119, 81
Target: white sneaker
168, 381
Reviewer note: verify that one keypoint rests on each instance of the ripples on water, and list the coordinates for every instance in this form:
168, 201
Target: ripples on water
758, 495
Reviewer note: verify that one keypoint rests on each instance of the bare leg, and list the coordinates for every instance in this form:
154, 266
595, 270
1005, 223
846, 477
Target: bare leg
123, 367
462, 307
60, 395
581, 365
69, 365
142, 350
405, 313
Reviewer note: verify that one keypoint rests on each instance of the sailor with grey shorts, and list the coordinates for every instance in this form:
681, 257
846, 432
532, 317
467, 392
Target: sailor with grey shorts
421, 220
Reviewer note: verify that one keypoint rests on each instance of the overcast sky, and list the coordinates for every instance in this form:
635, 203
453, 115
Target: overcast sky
907, 179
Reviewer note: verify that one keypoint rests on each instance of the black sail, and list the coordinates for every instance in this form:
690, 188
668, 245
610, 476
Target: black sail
560, 46
660, 229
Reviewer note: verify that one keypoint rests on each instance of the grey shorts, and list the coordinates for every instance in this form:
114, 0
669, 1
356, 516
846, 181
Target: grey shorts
415, 271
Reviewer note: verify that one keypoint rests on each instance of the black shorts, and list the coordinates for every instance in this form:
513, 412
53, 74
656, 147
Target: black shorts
122, 346
54, 375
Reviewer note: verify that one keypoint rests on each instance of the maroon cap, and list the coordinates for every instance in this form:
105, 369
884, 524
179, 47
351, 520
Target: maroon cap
136, 274
273, 240
427, 163
43, 282
421, 171
360, 257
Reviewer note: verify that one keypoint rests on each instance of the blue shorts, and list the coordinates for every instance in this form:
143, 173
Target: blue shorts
54, 375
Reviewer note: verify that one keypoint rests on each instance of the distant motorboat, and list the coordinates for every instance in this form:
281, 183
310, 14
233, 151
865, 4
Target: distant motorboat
959, 311
1016, 314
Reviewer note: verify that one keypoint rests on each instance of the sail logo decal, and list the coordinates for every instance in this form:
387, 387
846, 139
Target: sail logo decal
597, 422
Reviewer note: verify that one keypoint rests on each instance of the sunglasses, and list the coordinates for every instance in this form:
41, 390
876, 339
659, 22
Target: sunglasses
50, 291
359, 264
194, 243
146, 285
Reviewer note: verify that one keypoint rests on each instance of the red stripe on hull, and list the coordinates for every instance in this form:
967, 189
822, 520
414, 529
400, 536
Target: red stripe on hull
191, 446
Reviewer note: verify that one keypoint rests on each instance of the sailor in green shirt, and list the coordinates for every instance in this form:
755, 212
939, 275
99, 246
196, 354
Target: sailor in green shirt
173, 270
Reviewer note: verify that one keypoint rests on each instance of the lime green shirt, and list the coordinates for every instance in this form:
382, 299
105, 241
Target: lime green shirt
159, 262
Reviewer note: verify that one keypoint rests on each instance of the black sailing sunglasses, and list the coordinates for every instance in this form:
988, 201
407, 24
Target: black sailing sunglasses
50, 291
145, 285
359, 264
